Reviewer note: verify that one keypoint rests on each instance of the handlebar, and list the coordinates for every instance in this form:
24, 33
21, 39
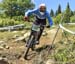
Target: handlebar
47, 26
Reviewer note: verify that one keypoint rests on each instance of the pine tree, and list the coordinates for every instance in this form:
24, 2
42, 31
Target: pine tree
72, 13
56, 13
51, 13
67, 14
58, 10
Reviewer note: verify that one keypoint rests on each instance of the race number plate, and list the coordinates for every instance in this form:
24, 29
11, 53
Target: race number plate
36, 27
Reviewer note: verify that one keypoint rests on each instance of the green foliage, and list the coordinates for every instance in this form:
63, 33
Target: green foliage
9, 22
57, 19
64, 53
74, 12
18, 18
58, 11
51, 13
67, 14
16, 7
72, 19
61, 55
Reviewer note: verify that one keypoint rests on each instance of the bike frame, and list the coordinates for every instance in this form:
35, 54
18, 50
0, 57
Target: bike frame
31, 41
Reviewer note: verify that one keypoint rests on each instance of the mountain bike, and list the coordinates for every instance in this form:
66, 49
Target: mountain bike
32, 39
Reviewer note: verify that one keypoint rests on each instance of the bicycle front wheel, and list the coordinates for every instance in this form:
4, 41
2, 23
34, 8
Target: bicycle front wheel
30, 44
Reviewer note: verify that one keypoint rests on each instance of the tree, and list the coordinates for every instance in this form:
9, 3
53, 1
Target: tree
72, 13
58, 11
16, 7
57, 19
72, 18
67, 15
51, 13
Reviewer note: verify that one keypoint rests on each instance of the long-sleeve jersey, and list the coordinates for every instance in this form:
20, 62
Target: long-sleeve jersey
38, 14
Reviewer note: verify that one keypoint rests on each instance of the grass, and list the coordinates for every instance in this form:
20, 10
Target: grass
70, 27
65, 52
8, 35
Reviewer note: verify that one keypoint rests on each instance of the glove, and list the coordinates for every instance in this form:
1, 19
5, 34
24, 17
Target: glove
48, 26
26, 18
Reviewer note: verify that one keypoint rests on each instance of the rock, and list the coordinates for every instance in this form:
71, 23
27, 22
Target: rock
19, 39
22, 59
26, 34
3, 62
15, 36
23, 37
14, 31
7, 47
1, 58
18, 56
50, 61
1, 42
41, 57
3, 45
44, 34
1, 48
23, 32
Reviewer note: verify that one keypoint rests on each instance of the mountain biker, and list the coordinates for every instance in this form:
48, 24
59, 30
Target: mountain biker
40, 18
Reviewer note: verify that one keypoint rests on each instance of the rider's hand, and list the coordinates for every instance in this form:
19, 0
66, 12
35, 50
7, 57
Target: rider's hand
48, 26
26, 18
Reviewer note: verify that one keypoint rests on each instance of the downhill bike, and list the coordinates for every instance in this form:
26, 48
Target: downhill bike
32, 39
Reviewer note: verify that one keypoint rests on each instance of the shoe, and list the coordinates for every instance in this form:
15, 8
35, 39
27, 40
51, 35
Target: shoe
27, 45
37, 42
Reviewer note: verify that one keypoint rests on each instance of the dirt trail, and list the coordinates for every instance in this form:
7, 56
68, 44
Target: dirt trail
16, 51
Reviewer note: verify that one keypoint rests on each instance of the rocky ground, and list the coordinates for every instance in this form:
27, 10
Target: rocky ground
13, 51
